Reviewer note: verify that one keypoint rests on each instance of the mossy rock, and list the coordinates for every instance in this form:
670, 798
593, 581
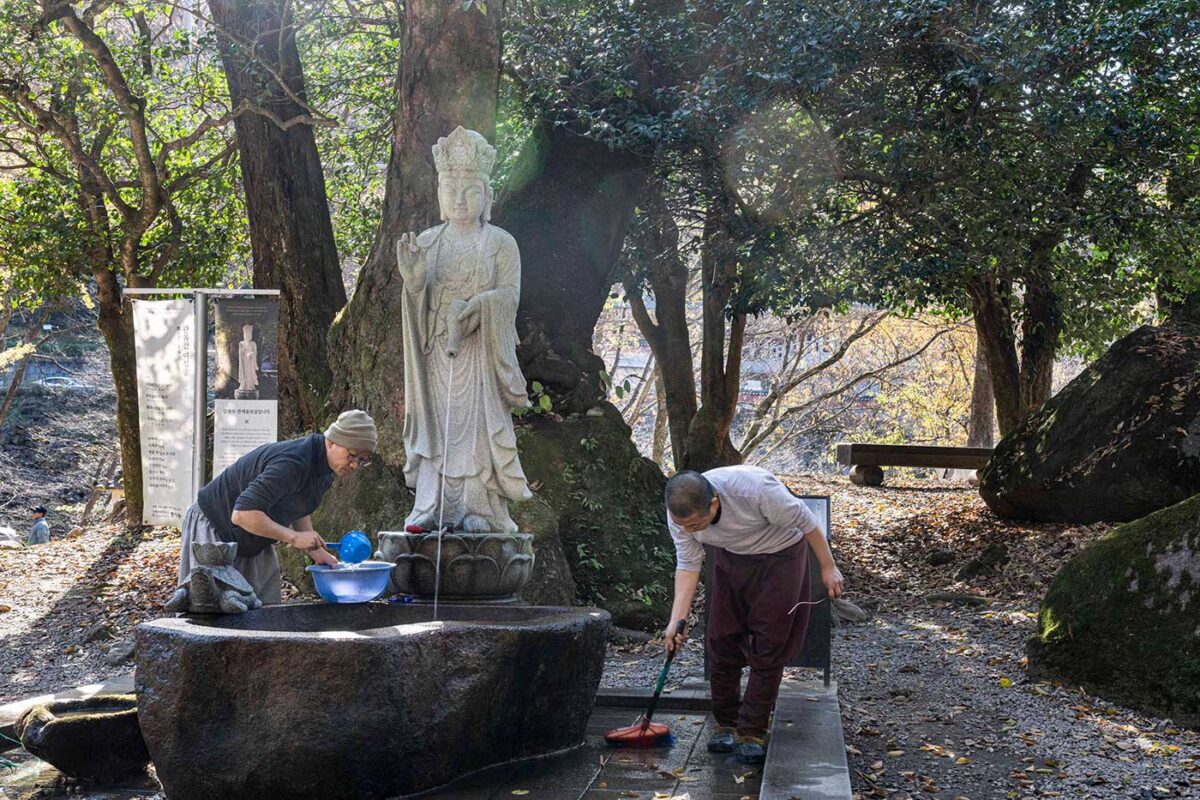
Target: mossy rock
608, 504
1122, 618
597, 517
1119, 442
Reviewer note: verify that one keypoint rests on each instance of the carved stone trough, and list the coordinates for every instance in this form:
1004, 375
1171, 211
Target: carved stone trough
94, 739
372, 700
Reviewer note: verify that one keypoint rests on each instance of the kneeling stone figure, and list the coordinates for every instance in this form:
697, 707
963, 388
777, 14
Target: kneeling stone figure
214, 586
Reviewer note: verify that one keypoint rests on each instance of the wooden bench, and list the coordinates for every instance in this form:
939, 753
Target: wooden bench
866, 460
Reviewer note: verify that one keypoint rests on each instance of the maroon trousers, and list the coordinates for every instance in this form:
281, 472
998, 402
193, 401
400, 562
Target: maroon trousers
749, 625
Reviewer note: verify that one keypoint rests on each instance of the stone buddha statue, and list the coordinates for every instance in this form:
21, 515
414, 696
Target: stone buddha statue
461, 379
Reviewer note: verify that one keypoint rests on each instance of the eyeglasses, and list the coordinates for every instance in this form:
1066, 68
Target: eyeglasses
357, 461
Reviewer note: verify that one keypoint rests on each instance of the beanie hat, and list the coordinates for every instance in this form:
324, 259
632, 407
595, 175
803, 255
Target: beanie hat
354, 430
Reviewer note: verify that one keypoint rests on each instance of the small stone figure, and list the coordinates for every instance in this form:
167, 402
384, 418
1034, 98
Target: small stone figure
214, 586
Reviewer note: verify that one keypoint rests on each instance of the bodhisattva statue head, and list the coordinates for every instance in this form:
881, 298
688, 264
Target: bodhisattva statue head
464, 162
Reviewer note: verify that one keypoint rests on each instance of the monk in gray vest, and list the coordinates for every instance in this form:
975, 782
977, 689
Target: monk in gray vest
761, 534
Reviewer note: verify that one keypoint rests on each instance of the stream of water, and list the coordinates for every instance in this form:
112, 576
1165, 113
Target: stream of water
437, 569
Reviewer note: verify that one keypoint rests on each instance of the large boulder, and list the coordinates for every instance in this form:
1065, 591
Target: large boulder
1119, 442
1122, 618
597, 517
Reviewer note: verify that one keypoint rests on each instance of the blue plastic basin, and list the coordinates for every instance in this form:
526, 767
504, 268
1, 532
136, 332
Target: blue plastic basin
359, 583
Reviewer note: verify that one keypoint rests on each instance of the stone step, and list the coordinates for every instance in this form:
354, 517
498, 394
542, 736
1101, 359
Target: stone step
807, 753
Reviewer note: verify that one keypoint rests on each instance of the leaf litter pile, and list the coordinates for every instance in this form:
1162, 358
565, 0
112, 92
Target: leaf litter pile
935, 700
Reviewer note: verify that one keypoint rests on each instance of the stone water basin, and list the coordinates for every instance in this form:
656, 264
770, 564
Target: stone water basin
374, 700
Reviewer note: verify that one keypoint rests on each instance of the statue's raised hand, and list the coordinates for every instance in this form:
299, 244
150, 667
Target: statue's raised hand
409, 257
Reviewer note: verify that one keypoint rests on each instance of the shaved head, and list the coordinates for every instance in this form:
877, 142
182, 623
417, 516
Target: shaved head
688, 493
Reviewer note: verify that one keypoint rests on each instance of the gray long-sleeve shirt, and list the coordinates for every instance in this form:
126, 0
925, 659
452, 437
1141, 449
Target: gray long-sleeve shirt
758, 515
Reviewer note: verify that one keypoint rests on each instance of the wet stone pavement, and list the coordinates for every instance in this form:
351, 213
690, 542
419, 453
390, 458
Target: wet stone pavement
591, 772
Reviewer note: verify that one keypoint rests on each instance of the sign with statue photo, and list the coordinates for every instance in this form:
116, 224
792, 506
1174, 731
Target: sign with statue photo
247, 344
246, 377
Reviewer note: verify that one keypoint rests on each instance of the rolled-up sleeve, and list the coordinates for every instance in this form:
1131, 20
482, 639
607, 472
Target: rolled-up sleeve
784, 509
689, 553
280, 479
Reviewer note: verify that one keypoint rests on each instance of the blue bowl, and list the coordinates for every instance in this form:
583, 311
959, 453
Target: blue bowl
358, 583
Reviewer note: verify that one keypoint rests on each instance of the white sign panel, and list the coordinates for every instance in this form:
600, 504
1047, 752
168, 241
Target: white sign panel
164, 344
240, 426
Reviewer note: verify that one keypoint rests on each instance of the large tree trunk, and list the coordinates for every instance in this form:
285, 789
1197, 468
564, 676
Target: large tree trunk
1041, 325
708, 442
569, 216
982, 422
116, 324
658, 444
994, 327
290, 229
449, 76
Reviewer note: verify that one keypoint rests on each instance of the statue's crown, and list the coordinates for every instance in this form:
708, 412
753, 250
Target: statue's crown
464, 151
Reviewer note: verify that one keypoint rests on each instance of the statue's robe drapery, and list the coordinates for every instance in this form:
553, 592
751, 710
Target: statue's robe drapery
487, 383
247, 366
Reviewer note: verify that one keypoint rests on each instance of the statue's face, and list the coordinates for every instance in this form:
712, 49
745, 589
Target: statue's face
461, 197
247, 334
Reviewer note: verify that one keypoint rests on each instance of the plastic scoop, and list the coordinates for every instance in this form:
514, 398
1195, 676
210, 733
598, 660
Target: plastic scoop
354, 548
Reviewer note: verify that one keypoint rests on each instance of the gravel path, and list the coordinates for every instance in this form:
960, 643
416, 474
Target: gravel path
938, 697
102, 583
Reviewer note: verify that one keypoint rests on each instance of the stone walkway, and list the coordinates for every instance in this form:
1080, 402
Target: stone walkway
806, 759
598, 771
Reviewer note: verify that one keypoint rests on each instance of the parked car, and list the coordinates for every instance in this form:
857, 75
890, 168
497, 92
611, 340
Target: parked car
60, 383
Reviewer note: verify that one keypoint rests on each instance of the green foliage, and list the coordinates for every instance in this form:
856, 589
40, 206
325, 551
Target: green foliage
892, 153
350, 52
58, 221
540, 402
1023, 142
